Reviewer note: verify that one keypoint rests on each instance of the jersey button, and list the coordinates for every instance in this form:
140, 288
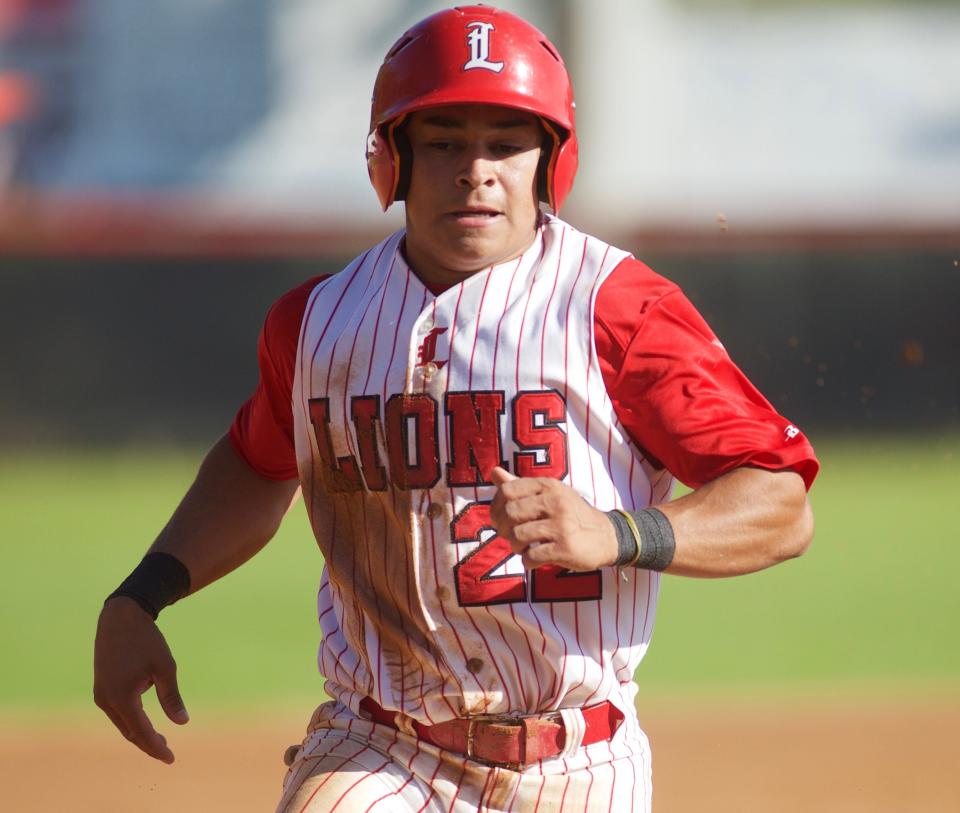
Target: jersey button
474, 665
429, 370
435, 510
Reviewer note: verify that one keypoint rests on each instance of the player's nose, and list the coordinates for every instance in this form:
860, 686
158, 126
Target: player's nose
478, 169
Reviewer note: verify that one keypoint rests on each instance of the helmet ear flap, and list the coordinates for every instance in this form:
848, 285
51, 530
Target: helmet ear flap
546, 171
543, 167
403, 161
385, 164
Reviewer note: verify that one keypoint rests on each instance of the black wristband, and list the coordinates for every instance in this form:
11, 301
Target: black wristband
657, 542
626, 541
157, 582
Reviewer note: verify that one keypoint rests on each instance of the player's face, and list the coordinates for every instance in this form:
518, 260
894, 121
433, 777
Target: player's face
472, 200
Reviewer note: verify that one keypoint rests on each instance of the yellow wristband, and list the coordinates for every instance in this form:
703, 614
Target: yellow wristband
636, 536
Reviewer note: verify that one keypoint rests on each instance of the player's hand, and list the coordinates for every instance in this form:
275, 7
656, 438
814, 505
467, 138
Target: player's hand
129, 656
548, 523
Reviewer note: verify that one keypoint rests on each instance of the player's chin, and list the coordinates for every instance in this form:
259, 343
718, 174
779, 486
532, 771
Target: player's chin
473, 252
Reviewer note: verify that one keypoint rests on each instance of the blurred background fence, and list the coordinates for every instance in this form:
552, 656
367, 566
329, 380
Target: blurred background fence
131, 350
167, 170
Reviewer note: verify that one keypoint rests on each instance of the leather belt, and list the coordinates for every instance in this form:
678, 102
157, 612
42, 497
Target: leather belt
503, 740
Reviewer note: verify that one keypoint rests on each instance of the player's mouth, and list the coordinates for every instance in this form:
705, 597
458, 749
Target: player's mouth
475, 216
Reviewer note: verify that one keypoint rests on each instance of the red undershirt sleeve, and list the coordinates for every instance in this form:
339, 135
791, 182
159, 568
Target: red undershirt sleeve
262, 431
675, 390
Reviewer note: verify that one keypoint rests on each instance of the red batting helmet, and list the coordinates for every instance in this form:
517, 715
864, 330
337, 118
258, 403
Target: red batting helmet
472, 55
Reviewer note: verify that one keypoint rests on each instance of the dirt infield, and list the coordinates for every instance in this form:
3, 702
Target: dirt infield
873, 756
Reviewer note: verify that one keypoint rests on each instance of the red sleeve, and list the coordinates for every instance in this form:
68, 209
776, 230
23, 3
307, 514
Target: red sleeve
262, 431
677, 392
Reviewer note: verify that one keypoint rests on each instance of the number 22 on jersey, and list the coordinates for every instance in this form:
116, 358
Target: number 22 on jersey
476, 584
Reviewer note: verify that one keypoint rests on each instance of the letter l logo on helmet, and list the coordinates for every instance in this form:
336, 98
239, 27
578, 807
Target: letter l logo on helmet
479, 42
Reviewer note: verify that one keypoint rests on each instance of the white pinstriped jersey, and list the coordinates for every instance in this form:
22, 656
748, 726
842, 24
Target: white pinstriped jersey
403, 401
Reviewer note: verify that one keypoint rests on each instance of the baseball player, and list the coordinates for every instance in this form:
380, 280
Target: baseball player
485, 412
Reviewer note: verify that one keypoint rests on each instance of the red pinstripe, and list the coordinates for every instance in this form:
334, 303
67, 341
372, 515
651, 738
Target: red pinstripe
433, 776
476, 490
396, 329
586, 801
563, 797
566, 322
386, 535
363, 657
613, 784
333, 602
646, 609
483, 790
396, 793
566, 379
496, 340
383, 401
316, 349
453, 674
556, 683
593, 486
348, 435
619, 504
432, 794
513, 613
650, 576
633, 785
586, 430
643, 762
436, 658
330, 775
616, 586
436, 578
305, 391
556, 278
453, 801
393, 350
636, 579
473, 350
516, 794
453, 628
543, 784
523, 320
467, 611
363, 778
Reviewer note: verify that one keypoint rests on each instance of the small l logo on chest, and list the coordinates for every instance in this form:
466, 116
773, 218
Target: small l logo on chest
427, 351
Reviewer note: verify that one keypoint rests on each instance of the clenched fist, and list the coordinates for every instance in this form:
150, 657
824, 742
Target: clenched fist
548, 523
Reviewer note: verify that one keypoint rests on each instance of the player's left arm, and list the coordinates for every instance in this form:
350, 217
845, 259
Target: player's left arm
746, 520
689, 409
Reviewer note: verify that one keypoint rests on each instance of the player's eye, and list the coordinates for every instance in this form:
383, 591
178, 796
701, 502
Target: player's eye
506, 148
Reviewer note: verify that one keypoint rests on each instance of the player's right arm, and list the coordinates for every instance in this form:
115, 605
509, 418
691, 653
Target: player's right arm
242, 490
229, 513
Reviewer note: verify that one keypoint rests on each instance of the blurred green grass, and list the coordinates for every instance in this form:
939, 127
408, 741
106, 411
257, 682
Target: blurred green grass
873, 603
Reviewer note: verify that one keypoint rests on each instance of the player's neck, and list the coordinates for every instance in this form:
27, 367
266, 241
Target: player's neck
437, 276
